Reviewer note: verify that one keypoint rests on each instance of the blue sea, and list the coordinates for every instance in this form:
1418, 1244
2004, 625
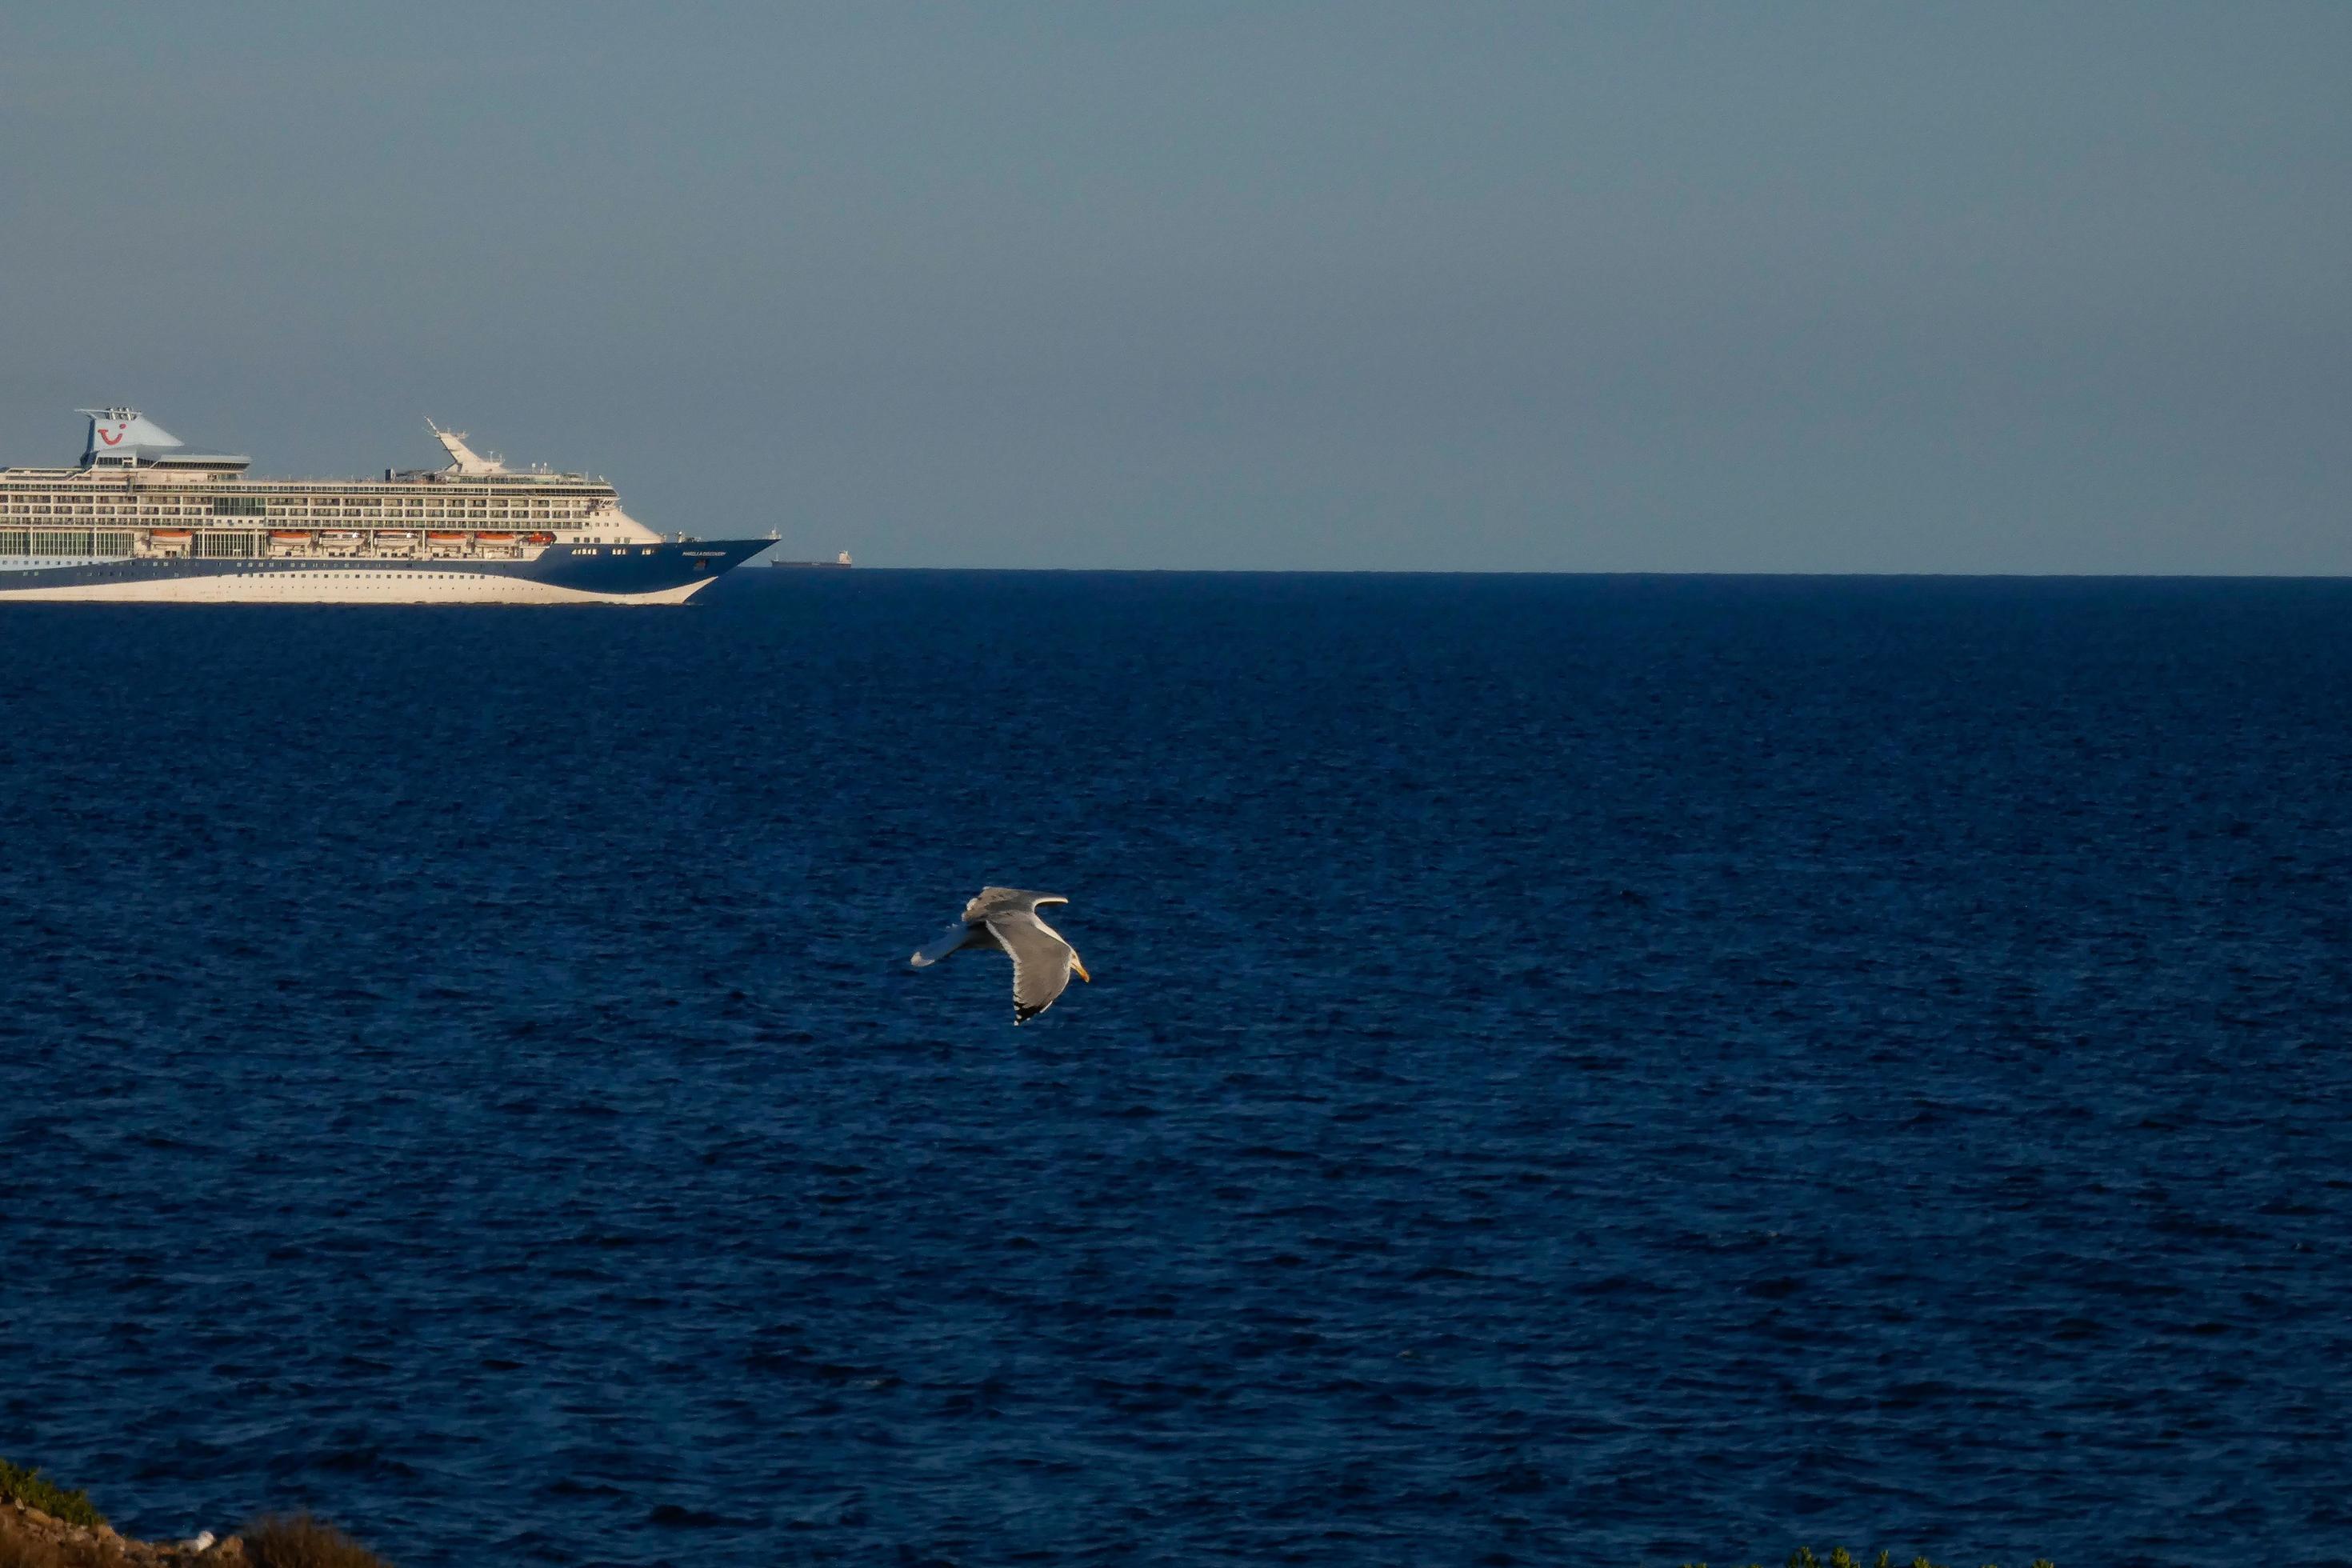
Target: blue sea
1608, 1070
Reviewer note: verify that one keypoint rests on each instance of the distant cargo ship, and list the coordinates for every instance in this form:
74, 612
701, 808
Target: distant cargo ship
840, 560
143, 519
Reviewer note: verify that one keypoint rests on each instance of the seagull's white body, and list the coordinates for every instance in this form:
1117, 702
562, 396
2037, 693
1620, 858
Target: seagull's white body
1006, 918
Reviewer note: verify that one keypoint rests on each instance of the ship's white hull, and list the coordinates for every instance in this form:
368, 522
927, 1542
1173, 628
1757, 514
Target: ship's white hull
340, 587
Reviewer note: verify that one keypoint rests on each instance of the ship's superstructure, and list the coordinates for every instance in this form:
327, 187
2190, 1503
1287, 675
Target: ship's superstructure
143, 518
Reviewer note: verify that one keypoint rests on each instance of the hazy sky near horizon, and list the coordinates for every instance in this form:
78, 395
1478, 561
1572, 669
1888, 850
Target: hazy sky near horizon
1802, 287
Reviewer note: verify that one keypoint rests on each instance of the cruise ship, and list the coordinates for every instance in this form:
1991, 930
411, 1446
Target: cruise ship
144, 519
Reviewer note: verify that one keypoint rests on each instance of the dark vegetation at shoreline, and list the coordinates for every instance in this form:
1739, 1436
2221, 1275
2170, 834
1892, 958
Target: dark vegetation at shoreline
35, 1490
49, 1527
299, 1541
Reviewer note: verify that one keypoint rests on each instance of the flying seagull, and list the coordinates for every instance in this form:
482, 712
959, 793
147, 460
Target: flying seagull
1007, 917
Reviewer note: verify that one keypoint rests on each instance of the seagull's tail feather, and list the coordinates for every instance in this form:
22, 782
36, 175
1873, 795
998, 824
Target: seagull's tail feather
949, 941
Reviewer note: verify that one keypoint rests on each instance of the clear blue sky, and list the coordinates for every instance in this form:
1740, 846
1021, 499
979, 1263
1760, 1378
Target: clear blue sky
1970, 288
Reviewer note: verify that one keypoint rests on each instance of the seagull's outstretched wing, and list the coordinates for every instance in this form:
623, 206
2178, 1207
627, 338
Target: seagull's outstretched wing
956, 936
1007, 900
1042, 961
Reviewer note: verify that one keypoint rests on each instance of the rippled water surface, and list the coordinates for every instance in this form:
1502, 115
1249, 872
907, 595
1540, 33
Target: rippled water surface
1575, 1068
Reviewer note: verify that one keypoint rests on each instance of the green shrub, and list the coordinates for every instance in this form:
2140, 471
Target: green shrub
36, 1491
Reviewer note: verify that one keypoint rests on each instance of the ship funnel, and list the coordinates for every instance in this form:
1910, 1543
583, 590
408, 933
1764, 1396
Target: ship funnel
123, 431
462, 459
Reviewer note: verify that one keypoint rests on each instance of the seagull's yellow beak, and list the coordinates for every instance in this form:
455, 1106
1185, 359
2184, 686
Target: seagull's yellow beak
1081, 969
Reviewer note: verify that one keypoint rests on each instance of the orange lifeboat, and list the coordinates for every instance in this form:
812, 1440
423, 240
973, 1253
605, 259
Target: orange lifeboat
496, 538
444, 539
539, 539
168, 535
289, 536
